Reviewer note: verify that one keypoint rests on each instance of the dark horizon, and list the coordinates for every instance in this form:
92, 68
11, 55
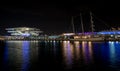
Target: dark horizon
56, 18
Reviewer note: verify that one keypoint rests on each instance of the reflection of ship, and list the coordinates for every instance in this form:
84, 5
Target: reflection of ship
81, 52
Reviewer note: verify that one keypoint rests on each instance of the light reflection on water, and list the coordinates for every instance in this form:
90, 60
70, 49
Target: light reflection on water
114, 54
67, 53
112, 51
20, 54
77, 52
87, 52
23, 55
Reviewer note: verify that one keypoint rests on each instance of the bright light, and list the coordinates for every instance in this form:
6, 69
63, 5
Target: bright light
109, 32
84, 37
68, 34
27, 29
25, 34
111, 35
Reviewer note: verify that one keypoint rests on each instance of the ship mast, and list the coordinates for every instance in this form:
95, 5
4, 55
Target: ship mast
81, 23
91, 20
73, 27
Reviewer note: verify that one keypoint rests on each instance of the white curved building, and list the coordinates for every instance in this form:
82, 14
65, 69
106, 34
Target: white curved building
23, 31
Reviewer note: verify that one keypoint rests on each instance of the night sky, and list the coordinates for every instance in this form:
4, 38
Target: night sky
55, 17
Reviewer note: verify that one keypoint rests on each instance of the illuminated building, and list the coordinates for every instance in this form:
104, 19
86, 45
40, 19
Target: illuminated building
23, 31
67, 35
109, 32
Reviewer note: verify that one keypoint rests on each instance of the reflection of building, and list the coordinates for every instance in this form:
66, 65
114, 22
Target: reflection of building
20, 55
23, 31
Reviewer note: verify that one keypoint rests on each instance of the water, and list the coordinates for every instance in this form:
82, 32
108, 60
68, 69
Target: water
59, 56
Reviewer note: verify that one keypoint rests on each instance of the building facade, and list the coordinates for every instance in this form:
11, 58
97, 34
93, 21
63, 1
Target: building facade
23, 31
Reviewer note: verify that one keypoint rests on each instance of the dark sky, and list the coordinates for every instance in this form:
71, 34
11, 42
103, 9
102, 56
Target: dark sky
55, 17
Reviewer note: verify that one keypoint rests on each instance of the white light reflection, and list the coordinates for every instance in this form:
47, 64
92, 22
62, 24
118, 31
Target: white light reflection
54, 47
90, 51
68, 53
15, 54
77, 49
87, 52
84, 45
112, 51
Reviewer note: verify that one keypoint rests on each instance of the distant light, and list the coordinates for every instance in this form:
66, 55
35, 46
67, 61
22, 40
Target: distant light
111, 35
109, 32
27, 29
111, 42
116, 41
68, 34
26, 34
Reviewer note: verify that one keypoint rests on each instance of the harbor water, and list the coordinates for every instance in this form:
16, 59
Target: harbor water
59, 56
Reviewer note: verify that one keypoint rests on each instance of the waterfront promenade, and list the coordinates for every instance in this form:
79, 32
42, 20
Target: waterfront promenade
90, 39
